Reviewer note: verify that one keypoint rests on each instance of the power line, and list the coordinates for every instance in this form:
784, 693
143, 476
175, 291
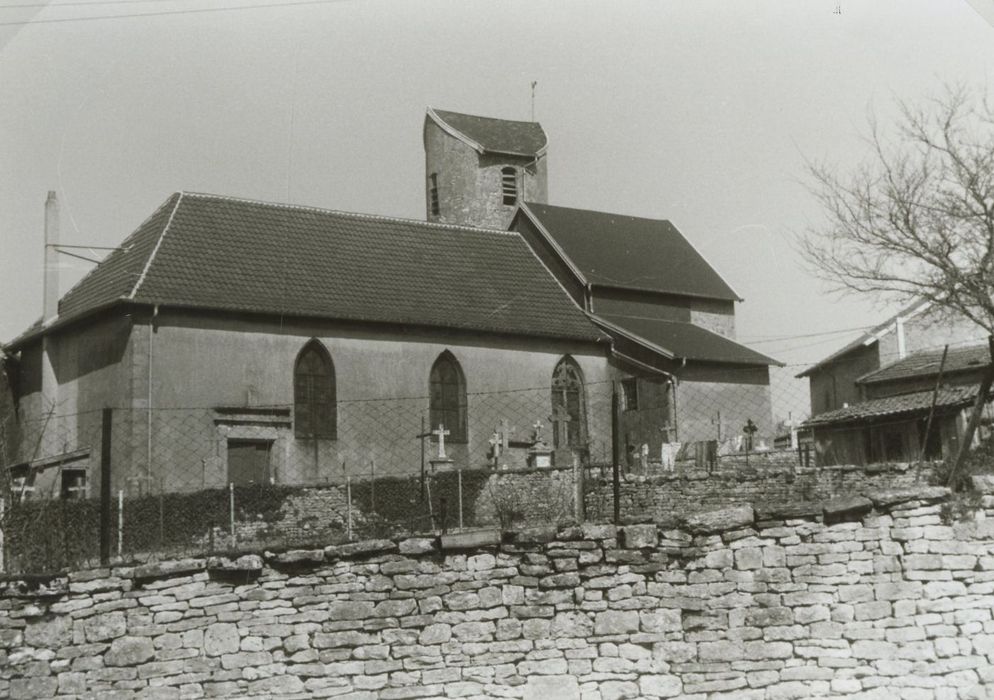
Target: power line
163, 13
47, 5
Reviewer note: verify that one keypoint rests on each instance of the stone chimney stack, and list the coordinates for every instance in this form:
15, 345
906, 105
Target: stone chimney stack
51, 291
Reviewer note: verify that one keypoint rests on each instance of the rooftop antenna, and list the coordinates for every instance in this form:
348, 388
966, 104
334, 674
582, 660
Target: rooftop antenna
534, 83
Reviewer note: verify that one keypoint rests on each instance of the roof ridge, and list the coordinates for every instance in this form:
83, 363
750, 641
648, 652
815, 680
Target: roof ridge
352, 214
158, 244
483, 116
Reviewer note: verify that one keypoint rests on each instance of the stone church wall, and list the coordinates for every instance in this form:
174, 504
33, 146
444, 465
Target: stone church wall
874, 598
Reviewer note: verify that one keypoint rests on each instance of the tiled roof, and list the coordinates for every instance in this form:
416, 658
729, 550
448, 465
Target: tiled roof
629, 252
921, 401
686, 340
868, 337
926, 364
212, 252
494, 135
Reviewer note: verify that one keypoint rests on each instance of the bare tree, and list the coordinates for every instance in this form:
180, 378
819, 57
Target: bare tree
916, 219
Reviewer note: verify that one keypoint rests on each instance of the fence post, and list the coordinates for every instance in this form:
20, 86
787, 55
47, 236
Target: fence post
231, 510
348, 507
459, 476
162, 517
120, 522
578, 504
616, 452
105, 485
3, 551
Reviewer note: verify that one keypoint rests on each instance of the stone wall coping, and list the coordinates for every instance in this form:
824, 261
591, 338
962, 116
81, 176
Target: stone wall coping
711, 522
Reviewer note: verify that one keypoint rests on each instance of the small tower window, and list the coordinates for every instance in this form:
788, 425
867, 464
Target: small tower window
509, 185
433, 194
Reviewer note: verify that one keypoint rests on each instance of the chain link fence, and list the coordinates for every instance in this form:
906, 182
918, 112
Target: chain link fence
135, 484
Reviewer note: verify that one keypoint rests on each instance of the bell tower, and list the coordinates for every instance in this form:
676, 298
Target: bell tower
478, 169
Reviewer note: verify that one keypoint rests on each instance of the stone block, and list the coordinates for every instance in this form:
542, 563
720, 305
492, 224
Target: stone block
847, 507
435, 634
471, 539
102, 628
355, 550
551, 688
248, 562
983, 483
662, 686
616, 622
298, 557
571, 624
748, 558
721, 520
169, 569
720, 651
639, 536
792, 510
592, 531
129, 651
417, 545
886, 498
221, 638
540, 534
660, 620
52, 633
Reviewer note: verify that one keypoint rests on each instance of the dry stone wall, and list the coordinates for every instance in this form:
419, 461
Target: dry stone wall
666, 496
863, 597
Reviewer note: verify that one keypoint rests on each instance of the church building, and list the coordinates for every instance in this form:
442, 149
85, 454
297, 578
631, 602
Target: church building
242, 341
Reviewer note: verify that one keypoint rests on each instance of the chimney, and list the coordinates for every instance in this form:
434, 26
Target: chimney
51, 291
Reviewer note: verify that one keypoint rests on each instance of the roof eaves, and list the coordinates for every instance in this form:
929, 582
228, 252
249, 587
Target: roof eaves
60, 322
668, 354
694, 295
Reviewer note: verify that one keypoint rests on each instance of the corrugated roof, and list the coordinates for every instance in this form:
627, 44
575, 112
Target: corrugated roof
213, 252
947, 397
685, 340
926, 364
494, 135
868, 337
630, 252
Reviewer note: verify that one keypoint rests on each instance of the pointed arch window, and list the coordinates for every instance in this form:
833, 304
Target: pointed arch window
568, 411
447, 397
315, 412
509, 185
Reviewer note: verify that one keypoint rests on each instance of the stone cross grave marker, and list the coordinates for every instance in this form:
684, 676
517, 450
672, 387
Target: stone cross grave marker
440, 433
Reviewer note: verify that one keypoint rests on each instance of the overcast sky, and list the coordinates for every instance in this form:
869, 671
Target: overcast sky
698, 112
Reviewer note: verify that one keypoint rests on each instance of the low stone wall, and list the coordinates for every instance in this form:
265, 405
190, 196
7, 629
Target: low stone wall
863, 597
666, 496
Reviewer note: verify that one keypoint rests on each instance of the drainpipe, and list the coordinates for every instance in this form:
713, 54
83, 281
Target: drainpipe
148, 403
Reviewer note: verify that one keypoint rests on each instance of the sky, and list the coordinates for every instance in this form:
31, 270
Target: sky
701, 112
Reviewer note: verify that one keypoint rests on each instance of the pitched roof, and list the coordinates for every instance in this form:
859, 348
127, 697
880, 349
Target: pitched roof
679, 339
630, 252
212, 252
948, 397
926, 364
870, 336
489, 135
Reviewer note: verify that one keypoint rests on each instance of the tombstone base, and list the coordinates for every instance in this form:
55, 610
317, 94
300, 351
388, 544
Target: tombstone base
442, 465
